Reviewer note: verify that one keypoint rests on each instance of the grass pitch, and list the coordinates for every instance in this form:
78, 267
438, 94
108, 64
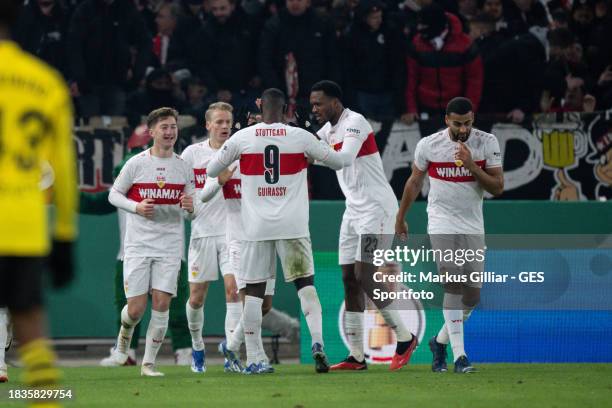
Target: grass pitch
298, 386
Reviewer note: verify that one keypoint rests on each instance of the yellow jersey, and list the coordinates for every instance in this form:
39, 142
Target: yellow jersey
35, 133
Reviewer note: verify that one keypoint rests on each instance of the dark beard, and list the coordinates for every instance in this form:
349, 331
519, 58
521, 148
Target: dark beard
457, 137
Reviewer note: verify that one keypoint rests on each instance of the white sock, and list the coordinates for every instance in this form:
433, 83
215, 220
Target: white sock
277, 322
311, 307
125, 331
155, 335
261, 352
394, 321
237, 337
453, 318
442, 336
3, 335
195, 321
353, 328
233, 313
252, 326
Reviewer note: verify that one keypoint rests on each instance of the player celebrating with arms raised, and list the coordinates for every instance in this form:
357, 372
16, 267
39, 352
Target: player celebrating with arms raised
273, 162
156, 188
370, 209
462, 163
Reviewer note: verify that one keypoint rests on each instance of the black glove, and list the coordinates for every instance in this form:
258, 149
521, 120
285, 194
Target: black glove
61, 264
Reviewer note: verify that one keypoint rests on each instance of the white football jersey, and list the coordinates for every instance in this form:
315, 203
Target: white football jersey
232, 195
210, 216
273, 163
163, 180
363, 183
454, 204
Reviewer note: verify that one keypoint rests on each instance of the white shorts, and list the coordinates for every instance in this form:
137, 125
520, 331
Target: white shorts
362, 235
206, 257
141, 274
458, 265
234, 248
258, 260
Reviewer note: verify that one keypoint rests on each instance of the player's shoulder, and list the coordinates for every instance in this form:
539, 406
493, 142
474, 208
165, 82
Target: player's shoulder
36, 70
355, 122
487, 137
433, 138
324, 130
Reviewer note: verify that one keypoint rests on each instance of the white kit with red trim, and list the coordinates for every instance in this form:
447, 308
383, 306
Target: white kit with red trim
163, 180
363, 183
273, 167
211, 216
454, 204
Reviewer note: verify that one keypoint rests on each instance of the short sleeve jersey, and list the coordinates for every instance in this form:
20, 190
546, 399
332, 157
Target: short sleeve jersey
211, 216
454, 203
363, 183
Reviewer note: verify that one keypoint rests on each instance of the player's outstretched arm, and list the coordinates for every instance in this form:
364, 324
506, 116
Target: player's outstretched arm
322, 153
229, 153
211, 188
413, 186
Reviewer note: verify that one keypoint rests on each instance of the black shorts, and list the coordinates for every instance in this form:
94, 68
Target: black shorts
21, 282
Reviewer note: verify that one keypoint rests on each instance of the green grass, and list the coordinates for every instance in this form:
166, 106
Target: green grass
495, 385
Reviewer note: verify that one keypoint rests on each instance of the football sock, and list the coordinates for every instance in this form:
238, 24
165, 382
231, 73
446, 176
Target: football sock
233, 312
311, 307
353, 328
195, 321
252, 326
155, 335
126, 331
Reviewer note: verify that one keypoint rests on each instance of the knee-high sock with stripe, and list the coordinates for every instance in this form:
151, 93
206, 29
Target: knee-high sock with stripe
155, 335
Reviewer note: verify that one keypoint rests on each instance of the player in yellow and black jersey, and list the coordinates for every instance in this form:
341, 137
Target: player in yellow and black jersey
35, 134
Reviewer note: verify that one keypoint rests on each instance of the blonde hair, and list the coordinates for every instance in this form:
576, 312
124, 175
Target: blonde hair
217, 106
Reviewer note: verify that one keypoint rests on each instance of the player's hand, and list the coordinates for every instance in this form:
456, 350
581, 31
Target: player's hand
226, 175
61, 263
401, 229
464, 155
408, 118
146, 208
186, 202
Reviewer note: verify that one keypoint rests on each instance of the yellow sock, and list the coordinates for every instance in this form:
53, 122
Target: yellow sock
39, 364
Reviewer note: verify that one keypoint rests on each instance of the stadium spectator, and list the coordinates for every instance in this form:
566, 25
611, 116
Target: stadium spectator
146, 8
575, 98
224, 57
495, 10
442, 63
197, 97
167, 48
581, 18
41, 30
374, 63
297, 48
523, 14
160, 90
343, 14
103, 37
407, 15
514, 75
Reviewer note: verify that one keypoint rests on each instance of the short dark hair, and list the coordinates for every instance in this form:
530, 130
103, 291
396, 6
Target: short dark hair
329, 88
159, 114
459, 105
273, 99
9, 10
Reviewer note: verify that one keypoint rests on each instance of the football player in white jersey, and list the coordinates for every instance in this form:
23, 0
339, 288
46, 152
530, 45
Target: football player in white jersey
275, 211
367, 223
6, 337
208, 252
462, 162
273, 320
156, 188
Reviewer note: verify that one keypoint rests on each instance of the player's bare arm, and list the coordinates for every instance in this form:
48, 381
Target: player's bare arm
491, 179
413, 186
